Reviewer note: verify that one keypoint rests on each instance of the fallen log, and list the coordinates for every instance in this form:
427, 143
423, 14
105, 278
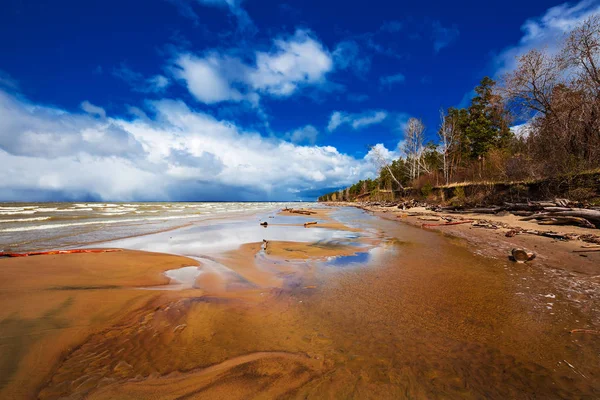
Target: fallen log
429, 218
55, 252
567, 221
310, 223
586, 251
590, 215
469, 221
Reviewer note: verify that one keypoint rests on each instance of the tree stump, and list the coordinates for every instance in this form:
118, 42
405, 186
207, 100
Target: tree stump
522, 255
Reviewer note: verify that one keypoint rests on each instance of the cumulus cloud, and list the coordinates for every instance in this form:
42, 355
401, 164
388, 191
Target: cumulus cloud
307, 134
179, 154
547, 31
356, 121
390, 80
92, 109
380, 151
294, 62
211, 79
46, 132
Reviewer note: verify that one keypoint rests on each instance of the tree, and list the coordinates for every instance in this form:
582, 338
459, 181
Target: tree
447, 133
383, 163
414, 136
487, 126
530, 86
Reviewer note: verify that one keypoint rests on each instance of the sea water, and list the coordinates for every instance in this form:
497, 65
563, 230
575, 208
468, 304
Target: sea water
40, 226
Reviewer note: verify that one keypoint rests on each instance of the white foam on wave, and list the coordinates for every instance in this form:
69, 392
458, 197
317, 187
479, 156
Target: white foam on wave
25, 219
75, 209
17, 212
103, 222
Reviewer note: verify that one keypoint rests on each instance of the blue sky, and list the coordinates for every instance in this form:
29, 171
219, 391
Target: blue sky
238, 100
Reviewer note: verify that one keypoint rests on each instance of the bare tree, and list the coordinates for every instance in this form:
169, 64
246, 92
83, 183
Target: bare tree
414, 136
382, 163
447, 134
531, 84
582, 50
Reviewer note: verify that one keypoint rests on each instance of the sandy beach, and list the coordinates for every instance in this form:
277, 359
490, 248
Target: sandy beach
355, 306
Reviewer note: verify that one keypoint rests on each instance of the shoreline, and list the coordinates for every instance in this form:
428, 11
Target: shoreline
554, 252
286, 321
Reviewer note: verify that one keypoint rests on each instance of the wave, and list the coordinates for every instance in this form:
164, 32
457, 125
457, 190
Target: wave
25, 219
102, 222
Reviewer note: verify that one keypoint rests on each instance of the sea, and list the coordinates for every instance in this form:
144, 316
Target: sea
45, 226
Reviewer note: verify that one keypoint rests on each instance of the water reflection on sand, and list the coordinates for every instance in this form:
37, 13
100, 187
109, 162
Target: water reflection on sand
375, 309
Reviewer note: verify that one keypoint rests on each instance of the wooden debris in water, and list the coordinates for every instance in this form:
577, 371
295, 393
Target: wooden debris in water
310, 223
303, 212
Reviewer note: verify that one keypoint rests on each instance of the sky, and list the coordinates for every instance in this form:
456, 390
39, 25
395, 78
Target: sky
216, 100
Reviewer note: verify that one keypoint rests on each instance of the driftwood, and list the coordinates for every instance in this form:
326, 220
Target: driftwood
303, 212
310, 223
522, 255
580, 217
54, 252
567, 221
586, 251
468, 221
429, 218
590, 331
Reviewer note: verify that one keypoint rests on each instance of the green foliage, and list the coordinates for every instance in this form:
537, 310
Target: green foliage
459, 192
427, 189
486, 126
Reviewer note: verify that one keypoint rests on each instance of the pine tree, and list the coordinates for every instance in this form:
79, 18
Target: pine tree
487, 126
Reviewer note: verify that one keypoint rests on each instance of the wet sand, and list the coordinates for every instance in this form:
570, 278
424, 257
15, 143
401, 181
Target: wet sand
400, 313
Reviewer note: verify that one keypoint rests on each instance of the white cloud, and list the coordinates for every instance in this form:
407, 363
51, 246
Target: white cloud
390, 80
210, 79
158, 82
154, 84
307, 134
48, 153
294, 62
45, 132
356, 121
522, 130
92, 109
382, 152
297, 61
547, 31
